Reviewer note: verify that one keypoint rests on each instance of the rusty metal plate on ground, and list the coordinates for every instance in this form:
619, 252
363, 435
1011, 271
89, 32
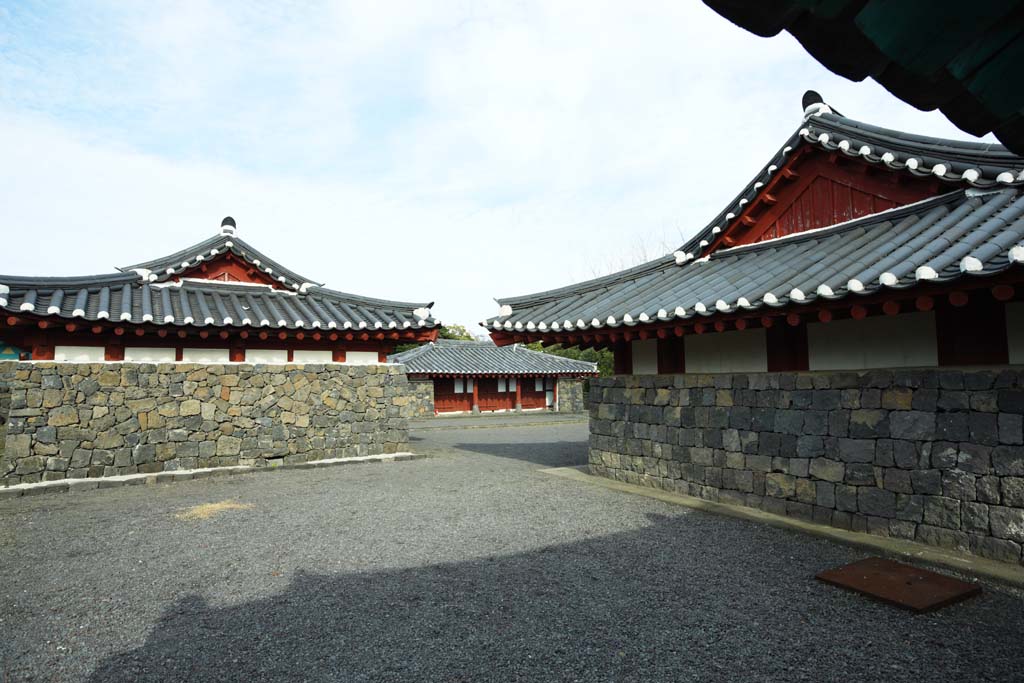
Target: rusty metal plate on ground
910, 587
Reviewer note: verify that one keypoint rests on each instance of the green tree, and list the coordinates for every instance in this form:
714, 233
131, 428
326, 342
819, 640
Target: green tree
446, 332
454, 332
603, 358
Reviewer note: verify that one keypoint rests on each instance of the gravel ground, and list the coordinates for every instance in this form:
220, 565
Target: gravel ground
467, 566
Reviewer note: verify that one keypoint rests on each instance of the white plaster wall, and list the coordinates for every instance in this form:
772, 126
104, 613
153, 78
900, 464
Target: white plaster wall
266, 356
205, 356
80, 354
144, 354
735, 351
312, 356
645, 357
882, 341
1015, 331
359, 357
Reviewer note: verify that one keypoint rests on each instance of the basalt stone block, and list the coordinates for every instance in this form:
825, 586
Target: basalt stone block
825, 494
974, 517
959, 485
984, 428
846, 498
909, 507
905, 454
860, 474
1011, 428
1008, 461
1012, 489
789, 422
1007, 523
944, 455
897, 480
942, 512
926, 481
856, 450
828, 470
1011, 401
876, 502
912, 424
952, 426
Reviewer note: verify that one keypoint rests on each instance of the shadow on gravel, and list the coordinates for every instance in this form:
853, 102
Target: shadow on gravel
547, 454
665, 602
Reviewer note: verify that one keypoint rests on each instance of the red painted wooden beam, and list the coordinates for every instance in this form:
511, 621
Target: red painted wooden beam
924, 303
825, 315
858, 312
282, 335
793, 319
96, 329
958, 299
891, 307
182, 334
767, 321
139, 331
720, 325
741, 323
1003, 292
223, 334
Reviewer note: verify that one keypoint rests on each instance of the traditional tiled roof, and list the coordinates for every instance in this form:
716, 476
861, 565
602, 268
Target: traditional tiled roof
145, 294
857, 257
962, 59
167, 267
966, 233
451, 357
976, 164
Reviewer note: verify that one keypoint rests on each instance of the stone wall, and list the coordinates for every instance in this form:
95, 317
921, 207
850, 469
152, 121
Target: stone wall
6, 370
936, 456
571, 398
422, 397
72, 420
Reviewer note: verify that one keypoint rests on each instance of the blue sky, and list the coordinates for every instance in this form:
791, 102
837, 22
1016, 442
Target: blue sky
447, 151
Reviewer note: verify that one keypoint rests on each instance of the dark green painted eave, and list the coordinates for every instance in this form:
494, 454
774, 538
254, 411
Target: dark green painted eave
963, 59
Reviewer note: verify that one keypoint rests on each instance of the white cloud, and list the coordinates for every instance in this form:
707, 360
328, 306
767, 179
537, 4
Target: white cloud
449, 151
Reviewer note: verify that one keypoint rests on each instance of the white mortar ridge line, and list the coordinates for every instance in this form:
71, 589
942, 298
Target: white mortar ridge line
168, 475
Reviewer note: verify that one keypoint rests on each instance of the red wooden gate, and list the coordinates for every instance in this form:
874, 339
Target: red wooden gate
447, 401
490, 398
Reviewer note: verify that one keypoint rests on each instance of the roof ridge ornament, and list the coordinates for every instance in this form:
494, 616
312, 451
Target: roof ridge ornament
814, 105
228, 226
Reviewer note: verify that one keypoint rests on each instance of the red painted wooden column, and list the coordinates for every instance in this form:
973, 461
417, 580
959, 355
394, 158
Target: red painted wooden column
338, 355
787, 348
113, 352
382, 356
671, 356
476, 395
622, 358
972, 335
519, 394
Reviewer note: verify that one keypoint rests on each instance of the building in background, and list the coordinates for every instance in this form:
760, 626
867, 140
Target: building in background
855, 247
217, 301
475, 376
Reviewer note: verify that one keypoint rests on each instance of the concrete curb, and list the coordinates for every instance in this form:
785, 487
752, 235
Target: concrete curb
971, 565
76, 485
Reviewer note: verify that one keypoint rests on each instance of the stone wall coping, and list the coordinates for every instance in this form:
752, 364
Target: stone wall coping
85, 484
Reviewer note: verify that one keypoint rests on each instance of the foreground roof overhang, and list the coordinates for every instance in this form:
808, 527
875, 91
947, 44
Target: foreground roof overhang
969, 233
963, 60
